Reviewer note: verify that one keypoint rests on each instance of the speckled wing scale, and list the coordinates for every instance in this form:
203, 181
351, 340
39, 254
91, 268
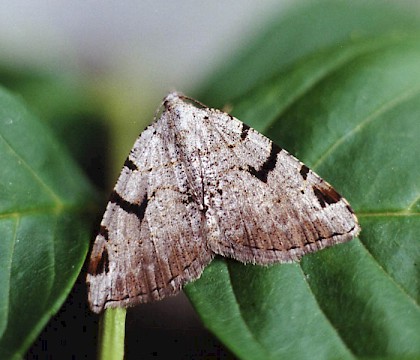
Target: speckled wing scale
199, 182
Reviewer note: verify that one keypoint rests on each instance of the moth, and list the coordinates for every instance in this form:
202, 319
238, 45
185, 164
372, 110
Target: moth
199, 182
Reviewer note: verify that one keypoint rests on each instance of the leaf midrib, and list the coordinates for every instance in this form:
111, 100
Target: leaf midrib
390, 278
334, 329
247, 328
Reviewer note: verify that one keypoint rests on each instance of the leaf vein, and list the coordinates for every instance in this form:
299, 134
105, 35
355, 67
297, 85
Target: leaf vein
10, 262
390, 278
410, 93
387, 214
41, 181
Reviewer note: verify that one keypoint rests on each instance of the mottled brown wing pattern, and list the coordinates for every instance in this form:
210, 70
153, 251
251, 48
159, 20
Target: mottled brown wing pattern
150, 241
266, 206
199, 182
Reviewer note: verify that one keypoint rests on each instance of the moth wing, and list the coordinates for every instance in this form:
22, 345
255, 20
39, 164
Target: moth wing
264, 205
151, 237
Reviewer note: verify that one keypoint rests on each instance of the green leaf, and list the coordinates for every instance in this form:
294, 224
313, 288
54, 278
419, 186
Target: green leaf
44, 225
351, 113
307, 27
71, 108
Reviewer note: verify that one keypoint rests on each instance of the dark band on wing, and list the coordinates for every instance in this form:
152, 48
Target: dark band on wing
326, 196
131, 208
269, 164
304, 171
244, 131
99, 265
104, 232
130, 165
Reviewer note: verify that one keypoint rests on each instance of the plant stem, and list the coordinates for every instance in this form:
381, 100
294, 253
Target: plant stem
111, 334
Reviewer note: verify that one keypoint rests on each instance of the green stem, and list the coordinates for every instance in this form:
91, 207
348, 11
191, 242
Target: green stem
111, 334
